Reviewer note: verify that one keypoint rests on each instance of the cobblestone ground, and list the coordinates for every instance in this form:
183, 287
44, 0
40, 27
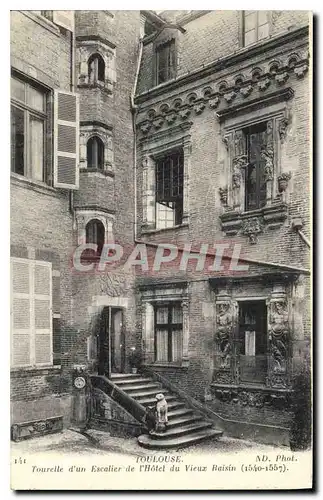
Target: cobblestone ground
101, 443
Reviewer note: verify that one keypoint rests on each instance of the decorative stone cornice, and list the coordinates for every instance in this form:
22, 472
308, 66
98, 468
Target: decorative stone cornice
231, 60
266, 82
253, 223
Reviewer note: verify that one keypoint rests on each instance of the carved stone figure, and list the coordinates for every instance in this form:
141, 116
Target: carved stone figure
199, 107
278, 332
282, 129
301, 70
223, 195
214, 102
238, 163
268, 155
230, 96
252, 227
264, 84
239, 143
223, 332
281, 78
245, 91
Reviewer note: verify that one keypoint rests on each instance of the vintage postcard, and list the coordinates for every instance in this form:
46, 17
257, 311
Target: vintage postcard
161, 189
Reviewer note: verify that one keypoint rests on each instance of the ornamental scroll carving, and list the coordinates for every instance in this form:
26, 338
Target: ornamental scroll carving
278, 329
224, 332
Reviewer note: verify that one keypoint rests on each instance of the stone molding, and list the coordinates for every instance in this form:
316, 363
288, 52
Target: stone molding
265, 82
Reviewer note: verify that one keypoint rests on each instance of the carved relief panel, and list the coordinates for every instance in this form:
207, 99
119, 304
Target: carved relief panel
278, 341
225, 323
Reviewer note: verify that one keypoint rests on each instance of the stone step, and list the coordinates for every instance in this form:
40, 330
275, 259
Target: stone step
151, 400
120, 376
178, 412
136, 387
179, 431
147, 441
132, 381
184, 420
146, 392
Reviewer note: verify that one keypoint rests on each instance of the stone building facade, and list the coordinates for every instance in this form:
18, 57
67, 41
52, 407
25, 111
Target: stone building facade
223, 151
187, 128
72, 75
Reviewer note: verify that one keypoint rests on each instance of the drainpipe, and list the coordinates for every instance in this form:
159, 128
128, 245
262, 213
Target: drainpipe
134, 115
72, 88
297, 225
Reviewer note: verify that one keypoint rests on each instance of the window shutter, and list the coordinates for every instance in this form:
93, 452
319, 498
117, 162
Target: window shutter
66, 140
21, 312
42, 298
64, 18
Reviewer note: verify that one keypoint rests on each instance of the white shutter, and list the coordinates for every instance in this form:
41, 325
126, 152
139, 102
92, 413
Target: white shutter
64, 18
31, 313
42, 297
66, 140
21, 313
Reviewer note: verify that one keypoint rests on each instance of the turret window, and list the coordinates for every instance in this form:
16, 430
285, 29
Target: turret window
96, 68
95, 153
95, 233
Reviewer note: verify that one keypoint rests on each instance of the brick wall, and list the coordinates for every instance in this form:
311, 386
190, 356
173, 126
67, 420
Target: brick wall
208, 171
201, 45
41, 217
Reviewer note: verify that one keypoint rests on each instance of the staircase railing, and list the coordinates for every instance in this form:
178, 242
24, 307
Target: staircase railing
119, 396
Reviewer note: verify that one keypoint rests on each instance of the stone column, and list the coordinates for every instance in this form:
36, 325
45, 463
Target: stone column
148, 332
278, 337
148, 193
83, 152
187, 166
267, 155
225, 321
239, 162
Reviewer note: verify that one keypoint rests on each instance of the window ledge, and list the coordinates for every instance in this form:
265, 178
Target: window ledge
106, 87
93, 170
163, 230
177, 366
39, 186
271, 216
29, 371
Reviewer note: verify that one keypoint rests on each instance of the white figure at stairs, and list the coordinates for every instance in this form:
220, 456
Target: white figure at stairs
161, 412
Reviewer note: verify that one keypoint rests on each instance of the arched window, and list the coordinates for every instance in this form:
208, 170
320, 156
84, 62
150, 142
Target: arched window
95, 152
96, 68
95, 233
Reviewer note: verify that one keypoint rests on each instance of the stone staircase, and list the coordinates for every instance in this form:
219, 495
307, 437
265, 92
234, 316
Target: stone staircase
186, 426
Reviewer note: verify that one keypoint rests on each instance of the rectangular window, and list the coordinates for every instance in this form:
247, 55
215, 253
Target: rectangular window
31, 313
255, 187
169, 190
255, 26
253, 341
165, 62
168, 333
28, 126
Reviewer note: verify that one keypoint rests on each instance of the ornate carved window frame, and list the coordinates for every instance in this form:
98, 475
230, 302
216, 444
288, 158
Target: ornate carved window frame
104, 132
275, 111
152, 147
160, 295
85, 49
84, 216
280, 320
